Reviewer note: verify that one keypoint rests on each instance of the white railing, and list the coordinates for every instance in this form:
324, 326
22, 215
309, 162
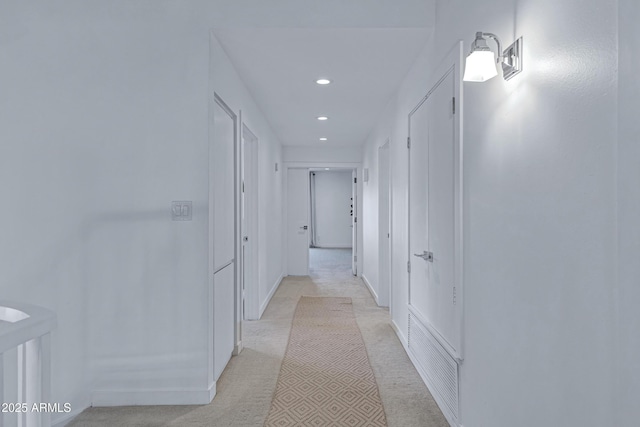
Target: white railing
25, 335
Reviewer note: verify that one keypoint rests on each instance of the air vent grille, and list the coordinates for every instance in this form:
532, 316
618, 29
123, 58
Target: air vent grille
435, 363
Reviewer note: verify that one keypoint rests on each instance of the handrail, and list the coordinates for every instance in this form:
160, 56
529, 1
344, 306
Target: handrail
31, 321
27, 328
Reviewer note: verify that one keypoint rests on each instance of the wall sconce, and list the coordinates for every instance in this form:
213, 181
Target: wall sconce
481, 62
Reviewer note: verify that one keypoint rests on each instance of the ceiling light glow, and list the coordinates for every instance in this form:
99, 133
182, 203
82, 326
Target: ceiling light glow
323, 81
323, 139
321, 118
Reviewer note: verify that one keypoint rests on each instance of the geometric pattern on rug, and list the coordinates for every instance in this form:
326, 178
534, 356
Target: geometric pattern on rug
326, 378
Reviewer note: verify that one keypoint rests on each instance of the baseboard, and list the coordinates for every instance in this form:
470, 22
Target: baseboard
76, 409
401, 338
237, 349
371, 291
67, 418
154, 397
272, 292
332, 247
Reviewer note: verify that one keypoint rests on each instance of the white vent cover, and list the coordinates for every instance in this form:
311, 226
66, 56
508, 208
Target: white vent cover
436, 366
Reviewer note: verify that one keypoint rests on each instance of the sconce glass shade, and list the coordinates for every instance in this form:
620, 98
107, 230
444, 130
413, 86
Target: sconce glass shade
480, 66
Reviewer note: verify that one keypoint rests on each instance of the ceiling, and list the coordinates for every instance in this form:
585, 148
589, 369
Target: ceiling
279, 66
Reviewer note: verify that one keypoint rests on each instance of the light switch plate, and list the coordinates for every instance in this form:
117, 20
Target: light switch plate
181, 210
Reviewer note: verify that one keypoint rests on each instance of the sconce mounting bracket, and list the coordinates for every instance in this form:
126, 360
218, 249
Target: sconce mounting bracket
512, 60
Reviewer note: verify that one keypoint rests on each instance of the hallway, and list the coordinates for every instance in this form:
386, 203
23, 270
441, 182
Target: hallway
246, 387
155, 159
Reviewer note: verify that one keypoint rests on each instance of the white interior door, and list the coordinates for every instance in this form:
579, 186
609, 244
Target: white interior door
224, 245
298, 201
249, 225
384, 226
432, 213
354, 222
418, 209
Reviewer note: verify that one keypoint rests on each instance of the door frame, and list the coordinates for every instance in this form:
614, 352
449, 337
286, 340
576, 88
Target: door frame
237, 118
385, 216
250, 290
311, 165
355, 212
286, 216
452, 62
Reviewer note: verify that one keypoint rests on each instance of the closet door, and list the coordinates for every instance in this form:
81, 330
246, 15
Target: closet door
224, 280
433, 291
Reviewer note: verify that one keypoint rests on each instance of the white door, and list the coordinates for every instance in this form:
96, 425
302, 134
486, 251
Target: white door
354, 222
298, 222
249, 224
432, 211
224, 244
384, 227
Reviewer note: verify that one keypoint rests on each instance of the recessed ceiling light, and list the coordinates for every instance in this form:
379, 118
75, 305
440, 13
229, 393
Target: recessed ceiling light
323, 139
323, 118
326, 169
323, 81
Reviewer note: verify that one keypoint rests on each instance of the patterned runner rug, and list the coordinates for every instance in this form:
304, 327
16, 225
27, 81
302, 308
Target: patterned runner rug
325, 378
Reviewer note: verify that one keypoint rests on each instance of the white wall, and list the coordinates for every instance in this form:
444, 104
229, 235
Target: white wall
333, 201
628, 292
370, 222
539, 194
103, 122
326, 154
228, 85
44, 149
539, 166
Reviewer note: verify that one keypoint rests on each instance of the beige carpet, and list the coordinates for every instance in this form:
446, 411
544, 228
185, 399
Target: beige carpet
326, 378
246, 387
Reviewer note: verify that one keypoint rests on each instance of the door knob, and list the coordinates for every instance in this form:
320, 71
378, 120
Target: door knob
427, 256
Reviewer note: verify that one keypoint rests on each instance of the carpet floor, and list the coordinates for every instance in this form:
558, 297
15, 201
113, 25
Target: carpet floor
246, 387
326, 379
